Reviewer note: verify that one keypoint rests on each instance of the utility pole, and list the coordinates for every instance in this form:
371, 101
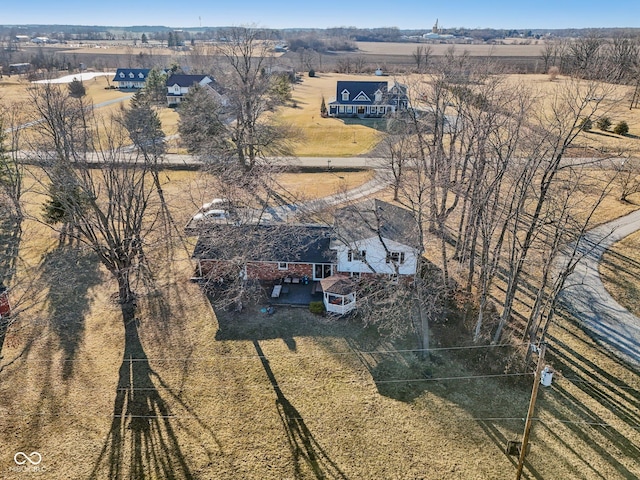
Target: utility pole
532, 406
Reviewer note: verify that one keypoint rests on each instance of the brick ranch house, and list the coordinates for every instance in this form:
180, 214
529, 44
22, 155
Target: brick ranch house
370, 239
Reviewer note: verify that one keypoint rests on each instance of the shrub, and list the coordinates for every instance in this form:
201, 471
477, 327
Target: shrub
316, 307
621, 128
604, 123
585, 124
553, 73
312, 73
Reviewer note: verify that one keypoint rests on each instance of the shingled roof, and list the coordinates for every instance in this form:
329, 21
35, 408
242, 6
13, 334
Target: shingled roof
266, 243
186, 80
375, 217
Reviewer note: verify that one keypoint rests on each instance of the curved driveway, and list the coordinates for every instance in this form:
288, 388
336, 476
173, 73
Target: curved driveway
585, 296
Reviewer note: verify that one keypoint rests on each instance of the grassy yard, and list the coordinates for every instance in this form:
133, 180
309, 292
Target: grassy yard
229, 396
348, 137
620, 272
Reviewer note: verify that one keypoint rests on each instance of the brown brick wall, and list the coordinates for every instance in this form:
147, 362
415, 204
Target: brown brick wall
269, 271
256, 270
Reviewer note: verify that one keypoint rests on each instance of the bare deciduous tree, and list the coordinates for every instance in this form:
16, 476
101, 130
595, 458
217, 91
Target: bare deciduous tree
105, 194
245, 71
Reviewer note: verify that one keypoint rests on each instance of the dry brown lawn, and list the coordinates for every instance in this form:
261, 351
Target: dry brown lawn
347, 137
390, 48
292, 395
330, 137
620, 272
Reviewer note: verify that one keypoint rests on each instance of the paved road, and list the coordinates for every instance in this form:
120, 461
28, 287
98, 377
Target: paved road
176, 160
380, 181
585, 296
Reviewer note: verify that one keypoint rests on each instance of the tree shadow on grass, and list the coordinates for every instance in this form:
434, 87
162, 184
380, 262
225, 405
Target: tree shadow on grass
69, 273
10, 237
305, 449
141, 442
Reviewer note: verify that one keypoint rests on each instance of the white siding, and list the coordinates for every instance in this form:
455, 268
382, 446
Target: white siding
376, 257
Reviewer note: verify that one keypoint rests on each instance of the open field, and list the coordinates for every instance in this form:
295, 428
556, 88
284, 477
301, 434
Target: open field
349, 137
203, 394
474, 50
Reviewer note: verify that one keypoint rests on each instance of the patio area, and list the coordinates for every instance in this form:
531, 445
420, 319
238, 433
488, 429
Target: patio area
297, 294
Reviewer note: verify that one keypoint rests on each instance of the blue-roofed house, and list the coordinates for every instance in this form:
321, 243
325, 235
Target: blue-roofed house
131, 78
368, 99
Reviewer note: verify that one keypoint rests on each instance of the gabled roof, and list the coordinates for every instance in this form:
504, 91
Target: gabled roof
131, 74
186, 80
357, 90
266, 243
373, 218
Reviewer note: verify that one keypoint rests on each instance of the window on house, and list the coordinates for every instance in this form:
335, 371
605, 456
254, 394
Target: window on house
393, 278
283, 266
354, 255
131, 75
378, 95
121, 75
345, 95
349, 109
141, 75
395, 257
355, 274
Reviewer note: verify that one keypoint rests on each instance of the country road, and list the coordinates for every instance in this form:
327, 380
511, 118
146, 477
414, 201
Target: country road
585, 296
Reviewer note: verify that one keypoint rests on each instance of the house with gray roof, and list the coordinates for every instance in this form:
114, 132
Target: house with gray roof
178, 86
371, 238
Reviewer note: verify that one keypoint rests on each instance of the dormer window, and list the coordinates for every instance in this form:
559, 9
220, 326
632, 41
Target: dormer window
131, 75
121, 75
345, 95
176, 88
378, 95
141, 75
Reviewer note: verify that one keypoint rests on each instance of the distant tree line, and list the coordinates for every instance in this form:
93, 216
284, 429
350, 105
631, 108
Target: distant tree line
595, 57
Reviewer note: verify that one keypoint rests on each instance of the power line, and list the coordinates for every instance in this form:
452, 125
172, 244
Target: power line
199, 417
304, 384
294, 355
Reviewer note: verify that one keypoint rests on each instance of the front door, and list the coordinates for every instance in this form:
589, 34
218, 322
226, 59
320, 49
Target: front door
322, 270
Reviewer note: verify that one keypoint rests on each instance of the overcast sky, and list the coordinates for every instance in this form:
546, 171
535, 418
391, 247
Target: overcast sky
405, 14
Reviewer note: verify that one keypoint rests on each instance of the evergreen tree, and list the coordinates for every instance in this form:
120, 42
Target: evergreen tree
155, 88
76, 89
